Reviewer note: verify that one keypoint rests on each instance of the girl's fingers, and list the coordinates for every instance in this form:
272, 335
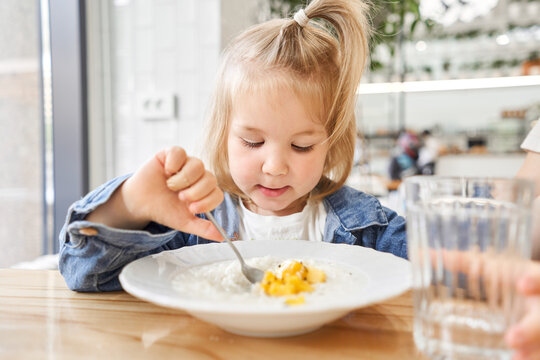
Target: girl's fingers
203, 228
171, 159
210, 202
190, 173
175, 160
200, 189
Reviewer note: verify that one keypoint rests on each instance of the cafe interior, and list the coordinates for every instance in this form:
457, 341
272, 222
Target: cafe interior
89, 90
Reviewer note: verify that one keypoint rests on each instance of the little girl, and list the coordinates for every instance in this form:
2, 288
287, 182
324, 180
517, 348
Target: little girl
281, 145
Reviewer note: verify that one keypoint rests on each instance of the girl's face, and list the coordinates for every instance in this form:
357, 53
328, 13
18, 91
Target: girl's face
276, 151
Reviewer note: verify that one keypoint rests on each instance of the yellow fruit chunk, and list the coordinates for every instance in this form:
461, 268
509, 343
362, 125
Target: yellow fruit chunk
294, 279
315, 276
298, 300
295, 268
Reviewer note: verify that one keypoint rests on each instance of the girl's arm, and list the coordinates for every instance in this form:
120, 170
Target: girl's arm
131, 217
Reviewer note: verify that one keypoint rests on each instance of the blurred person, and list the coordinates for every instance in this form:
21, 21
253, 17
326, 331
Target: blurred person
429, 153
404, 161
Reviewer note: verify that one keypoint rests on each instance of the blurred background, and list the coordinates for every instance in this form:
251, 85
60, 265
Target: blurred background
91, 89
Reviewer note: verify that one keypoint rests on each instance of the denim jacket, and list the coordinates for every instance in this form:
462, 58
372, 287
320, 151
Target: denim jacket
92, 255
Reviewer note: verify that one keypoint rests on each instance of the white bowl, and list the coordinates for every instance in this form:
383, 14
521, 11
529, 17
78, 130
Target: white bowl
150, 278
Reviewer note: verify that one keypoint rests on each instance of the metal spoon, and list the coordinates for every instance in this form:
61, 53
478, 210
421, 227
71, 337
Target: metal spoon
254, 275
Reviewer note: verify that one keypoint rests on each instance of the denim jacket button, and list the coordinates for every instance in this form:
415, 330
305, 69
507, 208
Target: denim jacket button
88, 231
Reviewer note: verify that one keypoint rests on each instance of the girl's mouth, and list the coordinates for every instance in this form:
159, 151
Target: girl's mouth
272, 192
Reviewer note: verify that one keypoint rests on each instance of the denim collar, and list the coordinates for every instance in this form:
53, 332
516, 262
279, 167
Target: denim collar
355, 210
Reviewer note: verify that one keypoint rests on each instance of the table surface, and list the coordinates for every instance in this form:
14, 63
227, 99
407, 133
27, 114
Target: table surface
40, 318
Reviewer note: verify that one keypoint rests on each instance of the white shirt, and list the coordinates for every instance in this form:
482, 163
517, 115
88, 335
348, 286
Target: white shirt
305, 225
532, 141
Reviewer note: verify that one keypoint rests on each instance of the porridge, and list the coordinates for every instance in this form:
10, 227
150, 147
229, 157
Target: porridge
286, 282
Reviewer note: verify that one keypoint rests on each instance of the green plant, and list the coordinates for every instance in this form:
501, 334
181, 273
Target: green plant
390, 25
281, 8
477, 65
388, 17
446, 65
498, 63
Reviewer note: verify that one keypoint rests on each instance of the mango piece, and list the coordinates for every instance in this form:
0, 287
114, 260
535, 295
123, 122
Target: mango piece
315, 276
297, 300
295, 268
294, 279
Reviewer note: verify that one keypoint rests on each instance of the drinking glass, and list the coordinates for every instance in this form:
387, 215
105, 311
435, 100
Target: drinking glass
468, 238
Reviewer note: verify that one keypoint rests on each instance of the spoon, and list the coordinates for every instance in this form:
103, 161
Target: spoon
254, 275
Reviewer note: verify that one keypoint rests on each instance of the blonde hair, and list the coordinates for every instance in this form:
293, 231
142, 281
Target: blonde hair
322, 62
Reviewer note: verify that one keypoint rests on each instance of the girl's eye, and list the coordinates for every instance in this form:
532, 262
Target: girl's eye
302, 148
251, 144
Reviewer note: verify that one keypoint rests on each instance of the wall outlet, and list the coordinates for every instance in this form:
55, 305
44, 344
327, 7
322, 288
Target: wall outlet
157, 106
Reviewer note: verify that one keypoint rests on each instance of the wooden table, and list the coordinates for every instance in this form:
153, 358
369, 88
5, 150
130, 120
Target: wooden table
40, 318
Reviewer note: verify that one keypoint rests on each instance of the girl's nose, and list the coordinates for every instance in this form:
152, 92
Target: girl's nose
275, 164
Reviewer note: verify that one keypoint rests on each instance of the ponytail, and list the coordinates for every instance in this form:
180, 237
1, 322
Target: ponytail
348, 18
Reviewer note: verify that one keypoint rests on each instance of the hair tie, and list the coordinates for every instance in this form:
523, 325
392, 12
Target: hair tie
301, 18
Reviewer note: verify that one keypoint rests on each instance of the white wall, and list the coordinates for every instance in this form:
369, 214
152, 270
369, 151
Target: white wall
238, 15
169, 47
143, 48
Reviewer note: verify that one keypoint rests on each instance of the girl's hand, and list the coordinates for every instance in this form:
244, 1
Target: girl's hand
170, 189
524, 337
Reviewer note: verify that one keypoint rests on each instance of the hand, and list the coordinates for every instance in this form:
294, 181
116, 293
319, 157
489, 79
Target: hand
524, 337
169, 189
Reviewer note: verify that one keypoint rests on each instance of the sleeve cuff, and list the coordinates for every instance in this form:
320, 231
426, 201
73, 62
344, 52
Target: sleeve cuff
129, 240
76, 230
